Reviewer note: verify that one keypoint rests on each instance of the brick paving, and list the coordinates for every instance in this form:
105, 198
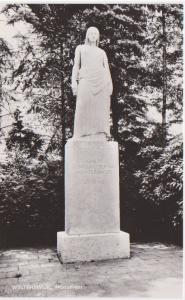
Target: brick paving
154, 270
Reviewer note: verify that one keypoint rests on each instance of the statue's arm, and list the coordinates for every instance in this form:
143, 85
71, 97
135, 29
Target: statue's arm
106, 66
75, 71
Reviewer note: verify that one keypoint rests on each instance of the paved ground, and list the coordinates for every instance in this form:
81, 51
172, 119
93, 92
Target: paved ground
154, 270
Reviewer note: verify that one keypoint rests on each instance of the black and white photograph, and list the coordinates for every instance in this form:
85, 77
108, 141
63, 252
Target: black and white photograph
91, 149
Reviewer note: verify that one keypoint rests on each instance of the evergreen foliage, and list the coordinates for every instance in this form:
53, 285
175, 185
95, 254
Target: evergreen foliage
23, 139
30, 200
144, 48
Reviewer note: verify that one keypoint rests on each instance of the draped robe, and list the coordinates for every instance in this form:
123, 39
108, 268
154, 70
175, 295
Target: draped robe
91, 76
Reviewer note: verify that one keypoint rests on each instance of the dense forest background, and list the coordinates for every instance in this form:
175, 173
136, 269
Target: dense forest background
144, 47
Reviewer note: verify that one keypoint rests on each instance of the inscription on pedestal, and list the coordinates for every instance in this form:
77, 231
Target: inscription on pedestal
92, 188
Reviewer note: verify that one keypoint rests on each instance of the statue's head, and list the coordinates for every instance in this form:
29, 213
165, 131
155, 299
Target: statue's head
92, 35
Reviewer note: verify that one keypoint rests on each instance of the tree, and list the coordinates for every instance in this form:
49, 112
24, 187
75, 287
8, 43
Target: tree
22, 138
161, 183
164, 61
5, 55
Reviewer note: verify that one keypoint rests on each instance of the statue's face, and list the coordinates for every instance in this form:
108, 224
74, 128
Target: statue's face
93, 35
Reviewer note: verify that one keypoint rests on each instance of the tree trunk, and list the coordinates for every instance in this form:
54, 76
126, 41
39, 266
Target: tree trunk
62, 99
164, 78
1, 100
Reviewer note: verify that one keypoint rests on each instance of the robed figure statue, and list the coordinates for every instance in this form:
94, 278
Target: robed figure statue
92, 214
92, 84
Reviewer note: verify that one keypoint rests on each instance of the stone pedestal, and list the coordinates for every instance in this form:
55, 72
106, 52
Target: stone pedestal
92, 211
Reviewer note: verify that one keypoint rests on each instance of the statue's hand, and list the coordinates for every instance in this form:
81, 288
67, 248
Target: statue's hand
74, 88
74, 91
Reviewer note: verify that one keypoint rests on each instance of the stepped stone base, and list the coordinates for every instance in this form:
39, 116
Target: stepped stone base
92, 247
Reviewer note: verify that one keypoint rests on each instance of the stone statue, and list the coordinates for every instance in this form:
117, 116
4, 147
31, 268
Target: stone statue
92, 214
92, 85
